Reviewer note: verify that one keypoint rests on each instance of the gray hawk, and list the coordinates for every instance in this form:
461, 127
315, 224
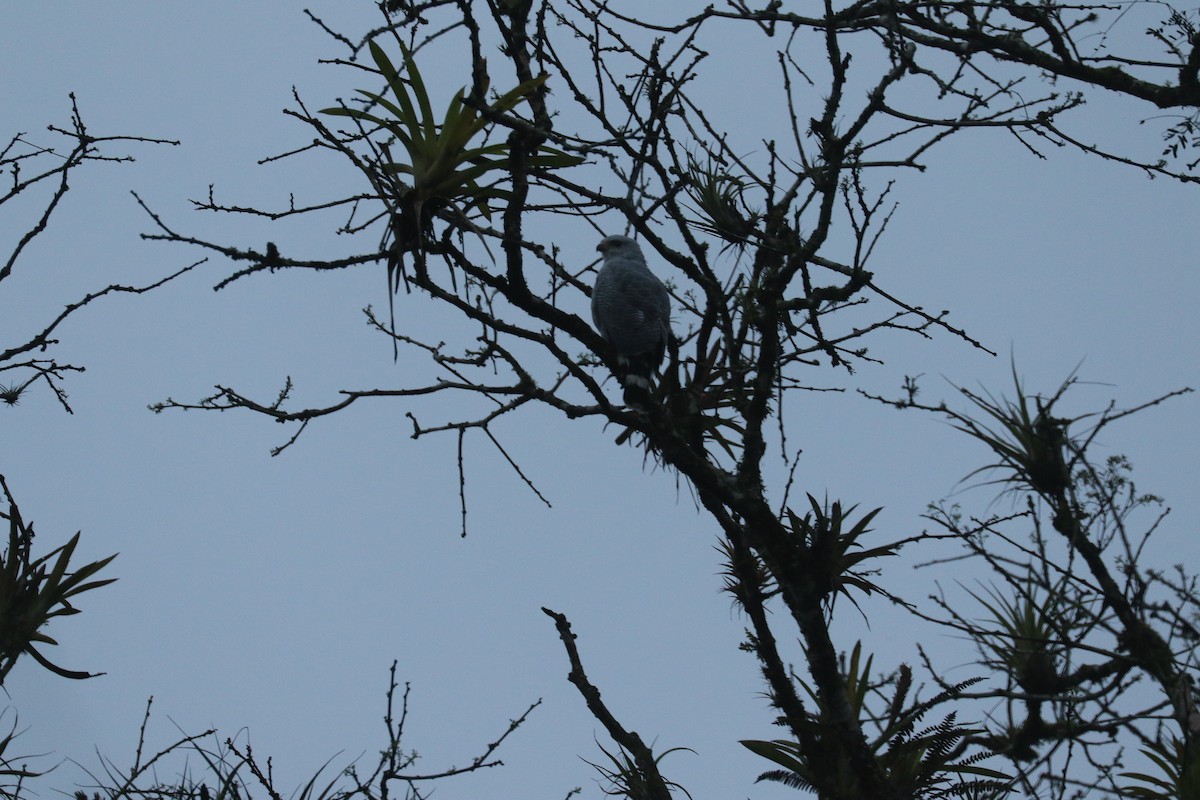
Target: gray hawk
632, 311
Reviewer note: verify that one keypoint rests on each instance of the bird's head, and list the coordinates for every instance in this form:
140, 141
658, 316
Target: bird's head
618, 245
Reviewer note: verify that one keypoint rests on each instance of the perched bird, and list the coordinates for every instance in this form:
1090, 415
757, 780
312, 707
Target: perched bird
632, 311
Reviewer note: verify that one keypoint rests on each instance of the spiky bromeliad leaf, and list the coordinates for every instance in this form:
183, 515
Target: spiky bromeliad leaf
1180, 773
1027, 642
800, 771
35, 591
837, 549
443, 166
625, 777
444, 169
1028, 440
720, 199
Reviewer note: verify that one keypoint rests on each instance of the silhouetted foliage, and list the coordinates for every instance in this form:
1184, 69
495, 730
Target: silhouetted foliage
767, 245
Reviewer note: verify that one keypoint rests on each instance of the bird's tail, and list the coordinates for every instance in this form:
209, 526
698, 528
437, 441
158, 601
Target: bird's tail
637, 378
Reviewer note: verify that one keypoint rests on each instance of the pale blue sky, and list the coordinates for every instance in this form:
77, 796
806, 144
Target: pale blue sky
273, 593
